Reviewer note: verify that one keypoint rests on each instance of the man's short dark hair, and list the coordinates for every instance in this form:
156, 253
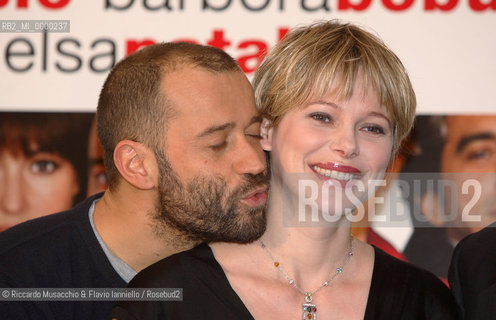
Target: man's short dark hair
132, 105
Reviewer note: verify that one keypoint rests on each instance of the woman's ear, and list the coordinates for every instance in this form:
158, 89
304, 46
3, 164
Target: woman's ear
266, 130
136, 164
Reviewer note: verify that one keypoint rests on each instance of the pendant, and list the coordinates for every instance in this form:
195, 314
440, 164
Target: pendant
309, 309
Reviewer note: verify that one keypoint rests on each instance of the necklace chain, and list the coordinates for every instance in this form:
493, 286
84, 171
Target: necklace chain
308, 294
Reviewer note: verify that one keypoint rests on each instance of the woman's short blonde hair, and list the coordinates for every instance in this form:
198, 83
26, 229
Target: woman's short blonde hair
306, 62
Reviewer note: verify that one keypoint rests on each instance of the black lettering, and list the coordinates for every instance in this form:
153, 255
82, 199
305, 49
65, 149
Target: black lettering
165, 5
44, 55
253, 8
110, 54
62, 52
323, 6
10, 53
207, 5
110, 5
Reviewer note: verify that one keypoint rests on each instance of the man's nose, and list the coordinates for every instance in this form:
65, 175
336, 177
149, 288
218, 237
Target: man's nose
250, 158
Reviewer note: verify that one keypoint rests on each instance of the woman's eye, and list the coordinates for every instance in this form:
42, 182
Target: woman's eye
374, 129
44, 166
322, 117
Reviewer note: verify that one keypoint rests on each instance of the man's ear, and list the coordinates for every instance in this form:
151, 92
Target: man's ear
136, 164
266, 130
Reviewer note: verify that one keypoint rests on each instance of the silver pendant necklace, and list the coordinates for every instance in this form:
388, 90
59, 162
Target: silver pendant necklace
309, 309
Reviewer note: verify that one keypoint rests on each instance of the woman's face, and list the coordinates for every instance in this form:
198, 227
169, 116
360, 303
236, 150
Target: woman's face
97, 178
34, 186
331, 141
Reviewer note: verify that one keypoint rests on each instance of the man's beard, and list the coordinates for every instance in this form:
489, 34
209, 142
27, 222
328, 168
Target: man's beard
205, 210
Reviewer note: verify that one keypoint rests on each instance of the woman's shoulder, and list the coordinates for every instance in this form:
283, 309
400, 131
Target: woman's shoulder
177, 269
206, 292
406, 290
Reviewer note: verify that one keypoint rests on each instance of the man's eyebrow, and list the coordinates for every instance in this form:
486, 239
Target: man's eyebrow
225, 126
213, 129
474, 137
255, 119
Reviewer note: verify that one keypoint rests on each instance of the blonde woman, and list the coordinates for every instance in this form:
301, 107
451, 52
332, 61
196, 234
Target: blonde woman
336, 104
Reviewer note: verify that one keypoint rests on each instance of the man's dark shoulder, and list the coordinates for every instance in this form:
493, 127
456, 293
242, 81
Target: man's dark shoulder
474, 255
28, 235
472, 274
178, 270
33, 250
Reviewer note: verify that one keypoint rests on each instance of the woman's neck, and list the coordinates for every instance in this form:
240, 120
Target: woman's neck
307, 254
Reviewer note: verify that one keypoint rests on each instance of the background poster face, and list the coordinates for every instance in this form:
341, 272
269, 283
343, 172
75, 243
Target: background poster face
47, 163
443, 188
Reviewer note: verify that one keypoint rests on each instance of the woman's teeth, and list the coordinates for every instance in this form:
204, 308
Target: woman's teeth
338, 175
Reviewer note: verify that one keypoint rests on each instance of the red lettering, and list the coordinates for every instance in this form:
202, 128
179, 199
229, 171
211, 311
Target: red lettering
20, 3
54, 4
346, 4
397, 7
282, 32
218, 40
133, 45
432, 5
50, 4
244, 61
478, 6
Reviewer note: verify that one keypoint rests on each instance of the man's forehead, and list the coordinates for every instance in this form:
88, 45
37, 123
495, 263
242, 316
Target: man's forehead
210, 116
205, 99
203, 123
